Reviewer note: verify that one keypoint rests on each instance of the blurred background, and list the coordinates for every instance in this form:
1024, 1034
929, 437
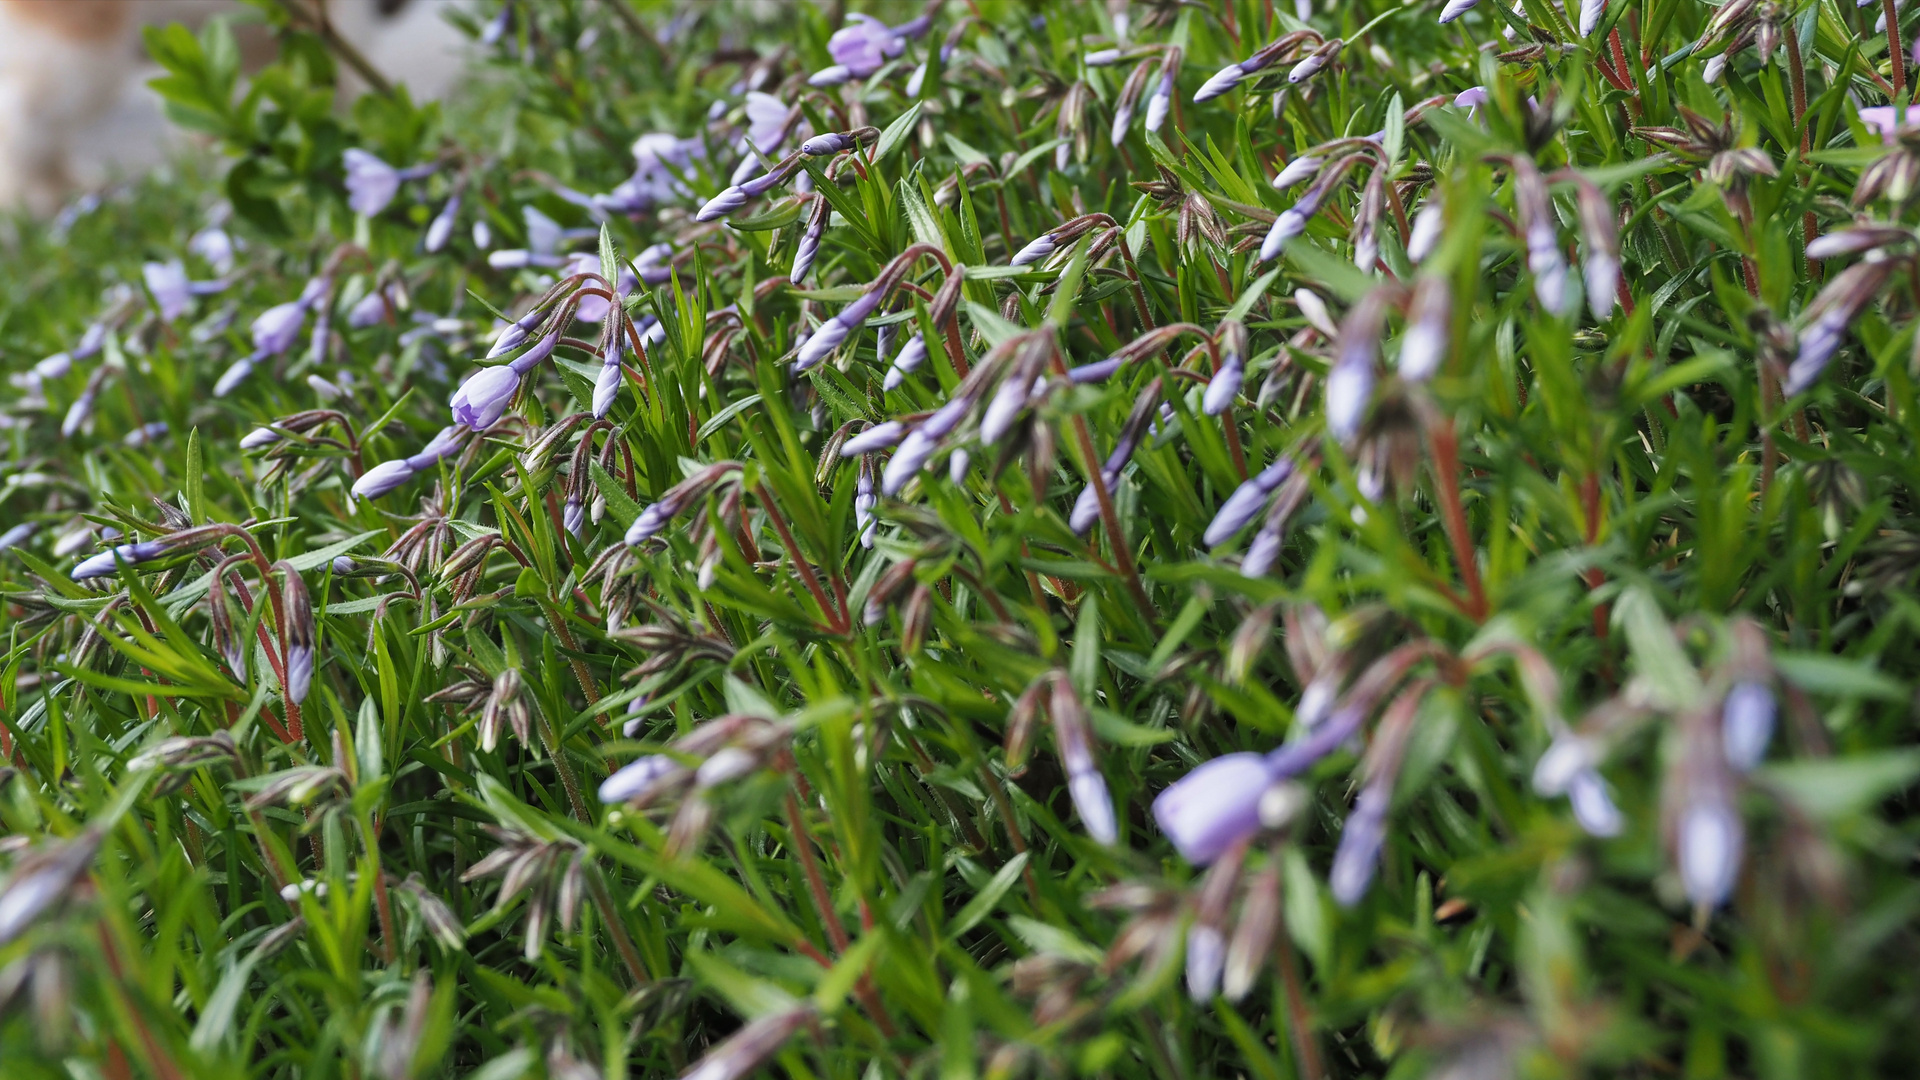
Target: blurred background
76, 110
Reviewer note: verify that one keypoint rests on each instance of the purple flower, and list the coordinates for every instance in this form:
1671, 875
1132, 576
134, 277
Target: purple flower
108, 561
637, 778
1360, 842
1222, 82
833, 142
368, 310
1349, 387
606, 388
1246, 502
1098, 371
482, 400
1291, 223
766, 121
1263, 551
382, 478
863, 45
1472, 97
863, 503
1040, 247
876, 438
1709, 840
1103, 58
371, 182
912, 355
1455, 9
276, 328
172, 293
1429, 329
1566, 757
729, 200
1225, 384
1590, 14
235, 374
1593, 808
1299, 170
215, 246
1424, 236
1746, 724
1214, 806
440, 230
1886, 119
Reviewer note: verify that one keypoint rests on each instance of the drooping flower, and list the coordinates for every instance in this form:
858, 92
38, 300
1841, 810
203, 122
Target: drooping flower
1246, 502
482, 400
859, 49
1746, 724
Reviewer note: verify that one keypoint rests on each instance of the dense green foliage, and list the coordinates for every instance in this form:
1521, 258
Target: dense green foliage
1532, 541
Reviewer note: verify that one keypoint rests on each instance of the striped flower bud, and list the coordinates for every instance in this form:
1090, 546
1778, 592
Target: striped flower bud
730, 199
1831, 313
1085, 785
863, 503
1591, 12
43, 879
833, 142
1037, 249
606, 386
382, 478
296, 608
636, 780
1086, 508
1316, 61
808, 246
1222, 82
177, 543
752, 1046
1456, 8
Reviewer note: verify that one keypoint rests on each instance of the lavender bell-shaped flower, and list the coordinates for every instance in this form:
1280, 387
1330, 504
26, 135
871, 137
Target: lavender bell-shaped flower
919, 444
1214, 806
482, 400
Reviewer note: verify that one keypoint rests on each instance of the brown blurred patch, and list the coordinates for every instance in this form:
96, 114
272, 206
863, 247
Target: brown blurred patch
74, 20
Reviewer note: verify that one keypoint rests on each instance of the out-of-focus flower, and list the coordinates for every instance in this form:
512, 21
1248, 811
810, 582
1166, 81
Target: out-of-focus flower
1429, 329
371, 182
168, 283
1709, 841
1214, 806
1456, 8
859, 49
440, 230
1246, 502
133, 554
1887, 120
1746, 724
41, 880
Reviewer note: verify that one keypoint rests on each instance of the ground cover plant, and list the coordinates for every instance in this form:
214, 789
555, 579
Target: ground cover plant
1009, 539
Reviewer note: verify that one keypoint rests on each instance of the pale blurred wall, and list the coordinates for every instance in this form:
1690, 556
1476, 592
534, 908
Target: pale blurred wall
75, 109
